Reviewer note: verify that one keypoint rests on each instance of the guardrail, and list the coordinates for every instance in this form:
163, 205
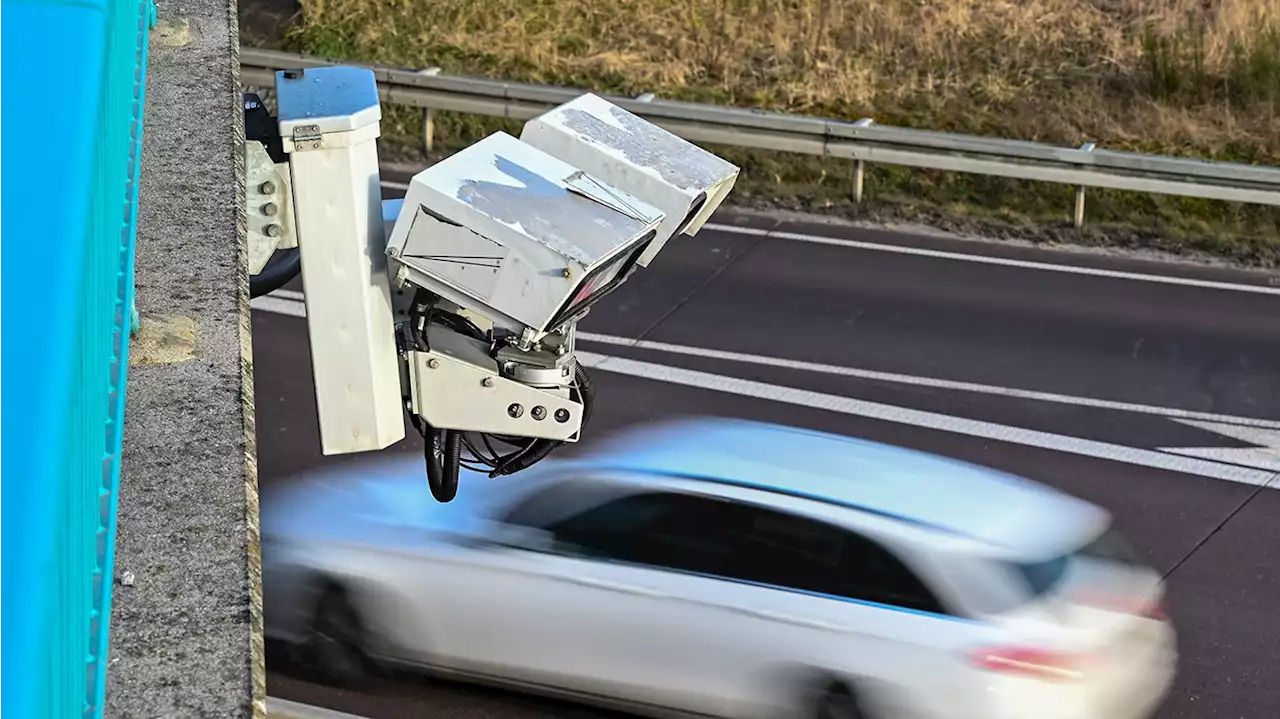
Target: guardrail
862, 141
68, 293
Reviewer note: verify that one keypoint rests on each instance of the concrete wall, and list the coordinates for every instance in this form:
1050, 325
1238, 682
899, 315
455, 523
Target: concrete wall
186, 630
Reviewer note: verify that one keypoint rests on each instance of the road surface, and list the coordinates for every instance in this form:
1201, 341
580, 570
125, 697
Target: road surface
1151, 389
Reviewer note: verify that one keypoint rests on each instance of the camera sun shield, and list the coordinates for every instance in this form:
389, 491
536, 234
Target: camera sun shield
684, 181
514, 234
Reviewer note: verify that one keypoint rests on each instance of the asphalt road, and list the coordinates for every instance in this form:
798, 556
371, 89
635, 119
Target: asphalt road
1156, 396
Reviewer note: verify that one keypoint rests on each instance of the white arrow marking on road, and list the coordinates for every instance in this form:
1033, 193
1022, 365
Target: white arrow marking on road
1264, 456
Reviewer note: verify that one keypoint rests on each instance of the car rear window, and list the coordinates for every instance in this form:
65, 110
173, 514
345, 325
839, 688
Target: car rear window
1043, 576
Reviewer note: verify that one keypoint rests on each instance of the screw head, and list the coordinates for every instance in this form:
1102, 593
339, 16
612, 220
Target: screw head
270, 209
539, 412
271, 230
566, 273
487, 382
267, 187
433, 363
515, 410
562, 415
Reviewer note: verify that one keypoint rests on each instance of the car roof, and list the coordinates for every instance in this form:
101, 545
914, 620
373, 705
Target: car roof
945, 494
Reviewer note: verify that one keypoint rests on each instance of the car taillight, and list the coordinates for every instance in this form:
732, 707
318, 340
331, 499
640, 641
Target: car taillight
1030, 662
1155, 610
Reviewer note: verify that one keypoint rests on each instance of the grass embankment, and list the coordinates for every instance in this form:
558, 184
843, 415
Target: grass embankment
1187, 77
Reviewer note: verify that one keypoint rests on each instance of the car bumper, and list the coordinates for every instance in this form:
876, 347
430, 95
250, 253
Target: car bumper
1133, 689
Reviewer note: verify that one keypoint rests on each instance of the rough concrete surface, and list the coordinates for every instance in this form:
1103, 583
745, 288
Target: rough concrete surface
186, 631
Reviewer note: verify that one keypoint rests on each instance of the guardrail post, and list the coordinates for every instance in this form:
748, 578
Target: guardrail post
859, 166
1079, 215
428, 125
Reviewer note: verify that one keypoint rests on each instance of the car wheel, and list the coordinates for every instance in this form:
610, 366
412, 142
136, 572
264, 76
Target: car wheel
335, 643
838, 702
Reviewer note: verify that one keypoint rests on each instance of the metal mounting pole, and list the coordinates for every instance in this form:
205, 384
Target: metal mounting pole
859, 166
428, 125
1079, 215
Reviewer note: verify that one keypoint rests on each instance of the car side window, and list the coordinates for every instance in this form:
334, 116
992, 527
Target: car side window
668, 530
871, 572
560, 498
796, 552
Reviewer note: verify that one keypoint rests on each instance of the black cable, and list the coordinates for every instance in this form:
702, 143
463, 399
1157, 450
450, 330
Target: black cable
457, 323
489, 446
279, 271
488, 461
442, 470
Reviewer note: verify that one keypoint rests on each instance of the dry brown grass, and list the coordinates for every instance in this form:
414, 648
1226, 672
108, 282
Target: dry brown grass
1192, 77
1065, 70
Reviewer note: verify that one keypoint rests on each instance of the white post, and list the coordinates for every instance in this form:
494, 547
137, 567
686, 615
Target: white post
1079, 214
859, 167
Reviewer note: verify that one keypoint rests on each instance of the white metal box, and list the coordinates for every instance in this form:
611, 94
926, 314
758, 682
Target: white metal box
330, 120
630, 153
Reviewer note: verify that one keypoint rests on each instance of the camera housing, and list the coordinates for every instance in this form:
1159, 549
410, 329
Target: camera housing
514, 234
684, 181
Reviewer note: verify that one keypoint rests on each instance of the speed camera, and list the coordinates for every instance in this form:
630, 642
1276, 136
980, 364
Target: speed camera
517, 235
459, 304
684, 181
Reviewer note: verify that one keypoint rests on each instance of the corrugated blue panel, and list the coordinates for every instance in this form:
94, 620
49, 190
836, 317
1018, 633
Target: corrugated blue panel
73, 80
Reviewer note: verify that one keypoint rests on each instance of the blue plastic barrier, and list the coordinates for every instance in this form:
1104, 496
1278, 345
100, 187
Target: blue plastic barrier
74, 73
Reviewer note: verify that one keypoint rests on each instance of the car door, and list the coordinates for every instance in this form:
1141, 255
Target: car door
662, 652
570, 591
500, 601
838, 600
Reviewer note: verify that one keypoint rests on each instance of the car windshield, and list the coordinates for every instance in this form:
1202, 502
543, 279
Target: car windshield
1043, 576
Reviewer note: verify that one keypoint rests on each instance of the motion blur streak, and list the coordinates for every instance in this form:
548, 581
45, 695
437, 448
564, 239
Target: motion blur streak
731, 569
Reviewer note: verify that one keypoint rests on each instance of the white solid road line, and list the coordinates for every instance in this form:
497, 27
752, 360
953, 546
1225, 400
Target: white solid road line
285, 709
1002, 261
968, 257
270, 304
1175, 462
929, 420
279, 305
931, 382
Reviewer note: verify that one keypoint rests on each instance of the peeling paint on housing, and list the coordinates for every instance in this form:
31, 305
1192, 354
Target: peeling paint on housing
646, 145
548, 212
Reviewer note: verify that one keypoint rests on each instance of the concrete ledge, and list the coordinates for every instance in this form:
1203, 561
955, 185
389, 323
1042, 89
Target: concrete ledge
186, 626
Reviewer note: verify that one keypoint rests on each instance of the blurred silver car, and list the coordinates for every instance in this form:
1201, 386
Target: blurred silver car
725, 568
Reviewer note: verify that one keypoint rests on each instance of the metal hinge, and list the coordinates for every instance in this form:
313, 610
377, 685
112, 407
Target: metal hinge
307, 137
